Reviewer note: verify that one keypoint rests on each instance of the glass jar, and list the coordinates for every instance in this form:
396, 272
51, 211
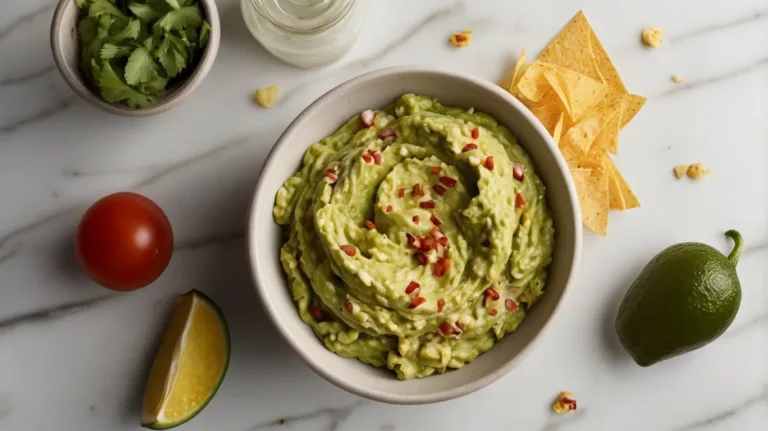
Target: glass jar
304, 33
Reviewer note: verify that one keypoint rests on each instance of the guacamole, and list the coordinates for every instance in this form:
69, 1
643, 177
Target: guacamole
416, 236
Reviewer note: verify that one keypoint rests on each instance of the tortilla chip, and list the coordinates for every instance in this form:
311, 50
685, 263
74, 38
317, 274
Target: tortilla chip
570, 49
604, 64
621, 195
592, 188
608, 138
509, 81
633, 105
558, 130
547, 110
532, 84
577, 92
583, 134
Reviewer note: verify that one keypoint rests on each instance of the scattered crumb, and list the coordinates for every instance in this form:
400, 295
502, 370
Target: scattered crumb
281, 421
680, 171
461, 39
697, 172
652, 37
676, 79
564, 403
266, 97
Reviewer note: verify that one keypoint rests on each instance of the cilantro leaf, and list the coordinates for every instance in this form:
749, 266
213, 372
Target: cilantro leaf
131, 31
82, 4
104, 7
172, 60
87, 29
111, 51
115, 90
155, 85
180, 19
141, 67
144, 11
173, 3
205, 32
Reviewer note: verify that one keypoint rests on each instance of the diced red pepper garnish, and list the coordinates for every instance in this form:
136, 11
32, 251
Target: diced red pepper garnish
427, 204
411, 287
489, 163
417, 301
446, 329
417, 191
422, 258
492, 294
401, 192
349, 306
439, 189
389, 208
370, 225
435, 221
519, 200
316, 313
387, 134
367, 158
443, 241
460, 38
440, 305
331, 175
448, 181
428, 244
367, 117
416, 219
434, 170
377, 158
475, 133
411, 241
510, 305
350, 250
493, 312
441, 266
469, 147
518, 171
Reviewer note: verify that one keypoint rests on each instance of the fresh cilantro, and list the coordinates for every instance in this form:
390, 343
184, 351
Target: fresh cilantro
132, 50
140, 67
115, 90
205, 32
144, 11
182, 18
111, 51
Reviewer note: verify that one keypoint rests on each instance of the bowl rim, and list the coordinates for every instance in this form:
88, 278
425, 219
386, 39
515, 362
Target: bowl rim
195, 78
276, 318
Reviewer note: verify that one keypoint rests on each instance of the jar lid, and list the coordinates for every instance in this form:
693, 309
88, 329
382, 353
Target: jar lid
303, 16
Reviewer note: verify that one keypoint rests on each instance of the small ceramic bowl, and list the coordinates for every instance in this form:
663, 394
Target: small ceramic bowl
65, 45
375, 90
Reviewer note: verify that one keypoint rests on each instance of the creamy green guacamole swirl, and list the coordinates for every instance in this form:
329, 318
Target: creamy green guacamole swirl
498, 245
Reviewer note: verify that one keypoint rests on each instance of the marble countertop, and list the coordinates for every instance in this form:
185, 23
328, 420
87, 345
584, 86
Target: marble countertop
74, 356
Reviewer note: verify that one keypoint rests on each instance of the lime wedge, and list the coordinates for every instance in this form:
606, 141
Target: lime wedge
190, 364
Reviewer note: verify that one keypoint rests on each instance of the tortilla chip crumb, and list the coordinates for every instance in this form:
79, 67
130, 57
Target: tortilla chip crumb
652, 37
266, 97
680, 171
697, 172
564, 403
461, 39
676, 79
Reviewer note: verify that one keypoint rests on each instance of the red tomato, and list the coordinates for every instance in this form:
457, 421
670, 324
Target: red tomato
124, 241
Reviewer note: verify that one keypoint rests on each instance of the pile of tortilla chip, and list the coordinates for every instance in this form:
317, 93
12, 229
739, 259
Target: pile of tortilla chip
576, 92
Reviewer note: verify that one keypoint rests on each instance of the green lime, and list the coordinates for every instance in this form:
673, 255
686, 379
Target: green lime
685, 298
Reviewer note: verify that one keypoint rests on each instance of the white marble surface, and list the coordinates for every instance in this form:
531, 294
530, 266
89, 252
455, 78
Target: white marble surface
74, 356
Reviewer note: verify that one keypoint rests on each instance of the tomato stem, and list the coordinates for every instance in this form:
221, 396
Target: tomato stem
739, 243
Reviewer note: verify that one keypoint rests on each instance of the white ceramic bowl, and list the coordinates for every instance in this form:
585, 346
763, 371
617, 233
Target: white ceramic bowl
65, 46
375, 90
